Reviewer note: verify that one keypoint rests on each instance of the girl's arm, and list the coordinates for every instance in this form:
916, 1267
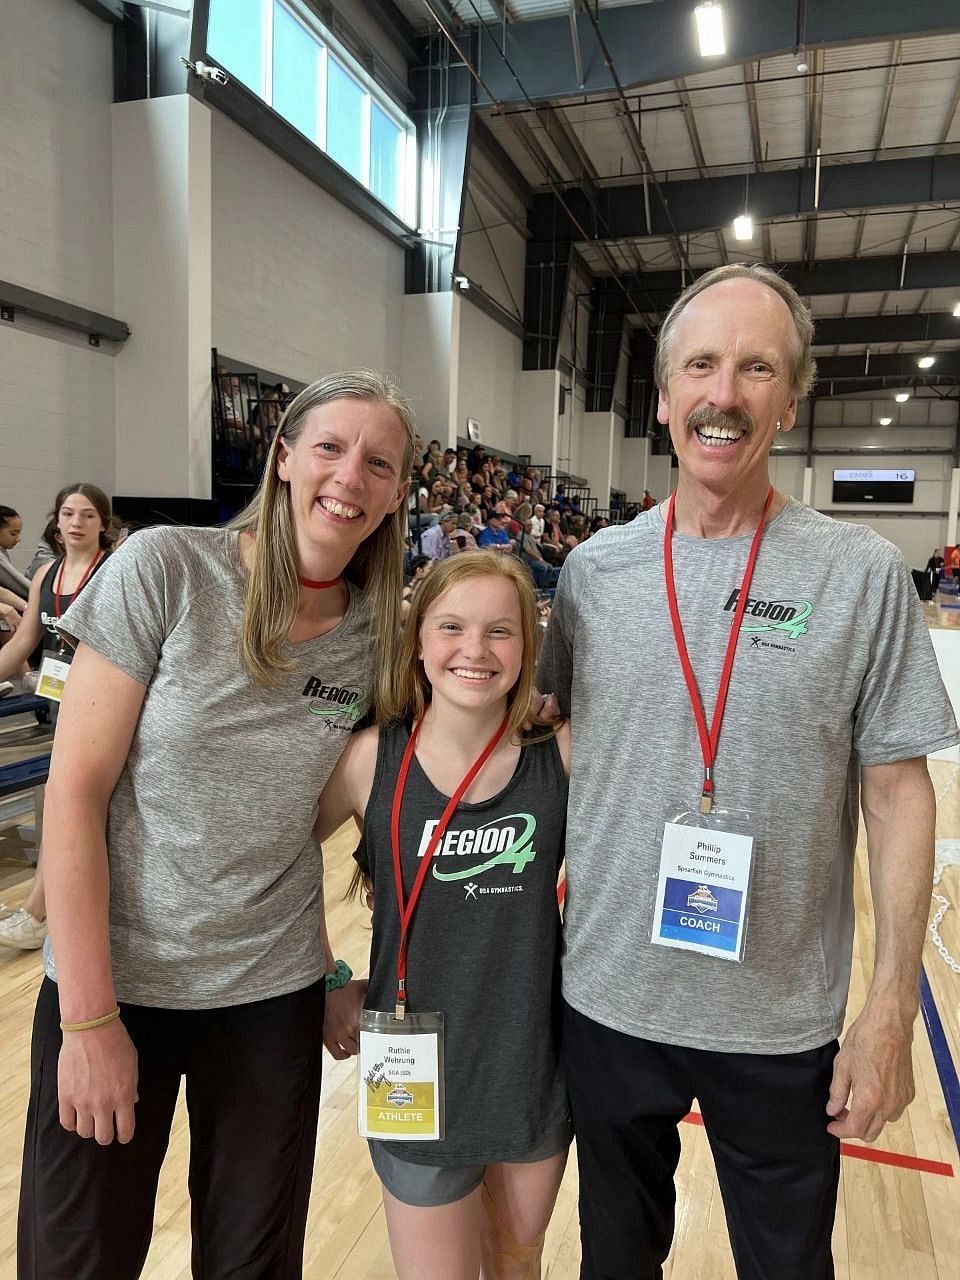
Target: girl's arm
348, 788
11, 598
345, 796
28, 634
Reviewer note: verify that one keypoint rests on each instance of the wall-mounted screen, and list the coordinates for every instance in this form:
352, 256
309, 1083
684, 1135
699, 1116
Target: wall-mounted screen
874, 486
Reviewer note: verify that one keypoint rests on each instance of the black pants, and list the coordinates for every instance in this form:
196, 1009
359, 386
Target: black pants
253, 1095
765, 1117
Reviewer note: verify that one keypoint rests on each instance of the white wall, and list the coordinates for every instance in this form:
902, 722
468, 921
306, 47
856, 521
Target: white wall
56, 424
786, 474
489, 364
161, 162
631, 474
538, 418
599, 432
427, 360
853, 424
301, 285
616, 454
570, 429
56, 237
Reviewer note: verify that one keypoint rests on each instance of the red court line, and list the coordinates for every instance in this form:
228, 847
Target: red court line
875, 1154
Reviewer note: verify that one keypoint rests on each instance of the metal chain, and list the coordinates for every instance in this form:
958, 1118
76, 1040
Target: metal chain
942, 909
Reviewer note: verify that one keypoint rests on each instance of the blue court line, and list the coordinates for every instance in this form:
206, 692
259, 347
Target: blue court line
946, 1067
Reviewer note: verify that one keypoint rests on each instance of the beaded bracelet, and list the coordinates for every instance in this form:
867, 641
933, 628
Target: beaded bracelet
94, 1022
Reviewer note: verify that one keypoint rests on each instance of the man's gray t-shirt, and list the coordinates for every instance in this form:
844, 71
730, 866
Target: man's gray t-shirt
834, 670
215, 876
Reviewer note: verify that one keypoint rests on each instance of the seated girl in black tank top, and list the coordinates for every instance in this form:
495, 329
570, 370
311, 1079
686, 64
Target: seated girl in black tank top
484, 940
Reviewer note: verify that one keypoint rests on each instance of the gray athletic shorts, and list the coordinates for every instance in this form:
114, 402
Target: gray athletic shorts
426, 1185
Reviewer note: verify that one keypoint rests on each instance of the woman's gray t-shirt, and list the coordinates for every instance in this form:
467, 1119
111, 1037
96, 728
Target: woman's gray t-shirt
215, 877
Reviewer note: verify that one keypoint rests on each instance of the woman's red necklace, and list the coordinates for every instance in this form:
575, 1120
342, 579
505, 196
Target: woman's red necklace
319, 586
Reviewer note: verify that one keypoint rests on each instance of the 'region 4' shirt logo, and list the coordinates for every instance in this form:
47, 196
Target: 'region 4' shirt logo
502, 842
338, 706
788, 617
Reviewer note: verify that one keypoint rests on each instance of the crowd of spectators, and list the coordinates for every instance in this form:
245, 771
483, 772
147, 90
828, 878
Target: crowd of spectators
462, 499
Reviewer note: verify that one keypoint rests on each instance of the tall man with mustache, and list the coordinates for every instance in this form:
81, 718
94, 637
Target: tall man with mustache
756, 669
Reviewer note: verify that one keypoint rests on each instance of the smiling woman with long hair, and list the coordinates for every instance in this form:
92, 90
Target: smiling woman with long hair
218, 676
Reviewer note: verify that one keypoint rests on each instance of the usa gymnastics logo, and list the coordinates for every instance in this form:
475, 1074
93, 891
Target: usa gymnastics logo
702, 900
399, 1096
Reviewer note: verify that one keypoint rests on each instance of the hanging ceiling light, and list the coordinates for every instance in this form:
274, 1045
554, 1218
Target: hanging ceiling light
710, 35
885, 422
926, 362
902, 397
743, 227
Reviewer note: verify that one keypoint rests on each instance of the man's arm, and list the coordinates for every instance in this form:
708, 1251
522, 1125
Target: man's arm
874, 1063
555, 666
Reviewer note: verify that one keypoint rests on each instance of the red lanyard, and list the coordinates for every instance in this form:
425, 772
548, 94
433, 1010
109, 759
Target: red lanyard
708, 740
407, 909
58, 607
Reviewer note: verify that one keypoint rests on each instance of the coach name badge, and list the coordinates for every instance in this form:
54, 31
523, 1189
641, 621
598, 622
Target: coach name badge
704, 884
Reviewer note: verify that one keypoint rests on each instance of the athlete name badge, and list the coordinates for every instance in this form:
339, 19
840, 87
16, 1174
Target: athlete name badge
704, 884
53, 676
400, 1094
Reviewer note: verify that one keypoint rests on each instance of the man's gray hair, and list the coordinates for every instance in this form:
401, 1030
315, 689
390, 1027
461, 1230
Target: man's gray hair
804, 366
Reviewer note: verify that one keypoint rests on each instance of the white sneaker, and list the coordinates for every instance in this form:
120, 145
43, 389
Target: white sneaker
22, 930
5, 687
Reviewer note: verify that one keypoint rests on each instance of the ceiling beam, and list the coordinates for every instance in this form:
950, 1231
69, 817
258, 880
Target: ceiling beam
707, 204
857, 386
657, 42
870, 330
829, 276
570, 150
900, 366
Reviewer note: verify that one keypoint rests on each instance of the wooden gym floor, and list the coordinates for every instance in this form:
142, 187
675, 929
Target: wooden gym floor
899, 1209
